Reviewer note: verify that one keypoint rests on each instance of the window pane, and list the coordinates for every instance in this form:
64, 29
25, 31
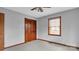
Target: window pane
54, 32
55, 28
54, 22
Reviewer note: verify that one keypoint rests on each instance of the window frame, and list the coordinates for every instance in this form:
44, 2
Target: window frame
49, 26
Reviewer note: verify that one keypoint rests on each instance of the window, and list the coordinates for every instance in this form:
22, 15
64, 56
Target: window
54, 26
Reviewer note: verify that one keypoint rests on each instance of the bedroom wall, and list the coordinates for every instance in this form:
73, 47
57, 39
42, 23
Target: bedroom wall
70, 28
14, 27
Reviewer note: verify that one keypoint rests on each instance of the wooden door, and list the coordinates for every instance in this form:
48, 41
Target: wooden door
1, 31
30, 30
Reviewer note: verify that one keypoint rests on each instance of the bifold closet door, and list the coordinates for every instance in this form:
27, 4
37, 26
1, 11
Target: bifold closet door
30, 30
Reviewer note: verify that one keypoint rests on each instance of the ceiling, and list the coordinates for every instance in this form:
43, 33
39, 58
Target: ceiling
36, 14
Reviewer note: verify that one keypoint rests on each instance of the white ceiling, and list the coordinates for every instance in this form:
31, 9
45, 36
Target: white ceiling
36, 14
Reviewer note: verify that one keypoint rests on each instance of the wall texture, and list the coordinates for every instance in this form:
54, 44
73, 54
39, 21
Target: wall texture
14, 27
70, 28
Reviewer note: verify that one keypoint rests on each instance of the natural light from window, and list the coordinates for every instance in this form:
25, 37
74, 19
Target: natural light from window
54, 26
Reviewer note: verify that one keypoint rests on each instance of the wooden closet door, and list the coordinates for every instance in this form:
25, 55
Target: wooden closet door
30, 30
33, 29
1, 31
27, 30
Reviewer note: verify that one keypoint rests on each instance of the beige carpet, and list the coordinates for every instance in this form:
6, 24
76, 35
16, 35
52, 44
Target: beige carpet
39, 45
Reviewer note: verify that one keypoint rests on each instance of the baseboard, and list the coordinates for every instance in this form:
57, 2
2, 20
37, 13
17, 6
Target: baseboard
46, 41
59, 43
14, 45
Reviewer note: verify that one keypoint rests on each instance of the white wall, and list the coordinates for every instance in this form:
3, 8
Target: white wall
14, 27
70, 28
